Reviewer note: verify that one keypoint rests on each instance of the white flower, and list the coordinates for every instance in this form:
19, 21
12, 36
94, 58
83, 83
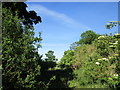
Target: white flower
100, 37
117, 34
115, 75
116, 41
97, 63
105, 59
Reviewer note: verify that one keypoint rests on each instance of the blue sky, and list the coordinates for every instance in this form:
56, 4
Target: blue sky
63, 22
73, 1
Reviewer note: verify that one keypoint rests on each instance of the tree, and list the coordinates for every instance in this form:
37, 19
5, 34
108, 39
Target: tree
50, 56
50, 59
87, 37
27, 17
21, 61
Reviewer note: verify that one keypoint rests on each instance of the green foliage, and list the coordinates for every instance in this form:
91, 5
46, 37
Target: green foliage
112, 24
61, 78
95, 62
92, 62
20, 62
87, 37
74, 45
28, 17
50, 60
82, 54
67, 59
50, 56
103, 45
97, 67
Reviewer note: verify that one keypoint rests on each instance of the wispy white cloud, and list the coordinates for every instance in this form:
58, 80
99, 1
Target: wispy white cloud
63, 18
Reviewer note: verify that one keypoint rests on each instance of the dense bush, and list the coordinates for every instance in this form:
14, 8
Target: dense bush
97, 64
